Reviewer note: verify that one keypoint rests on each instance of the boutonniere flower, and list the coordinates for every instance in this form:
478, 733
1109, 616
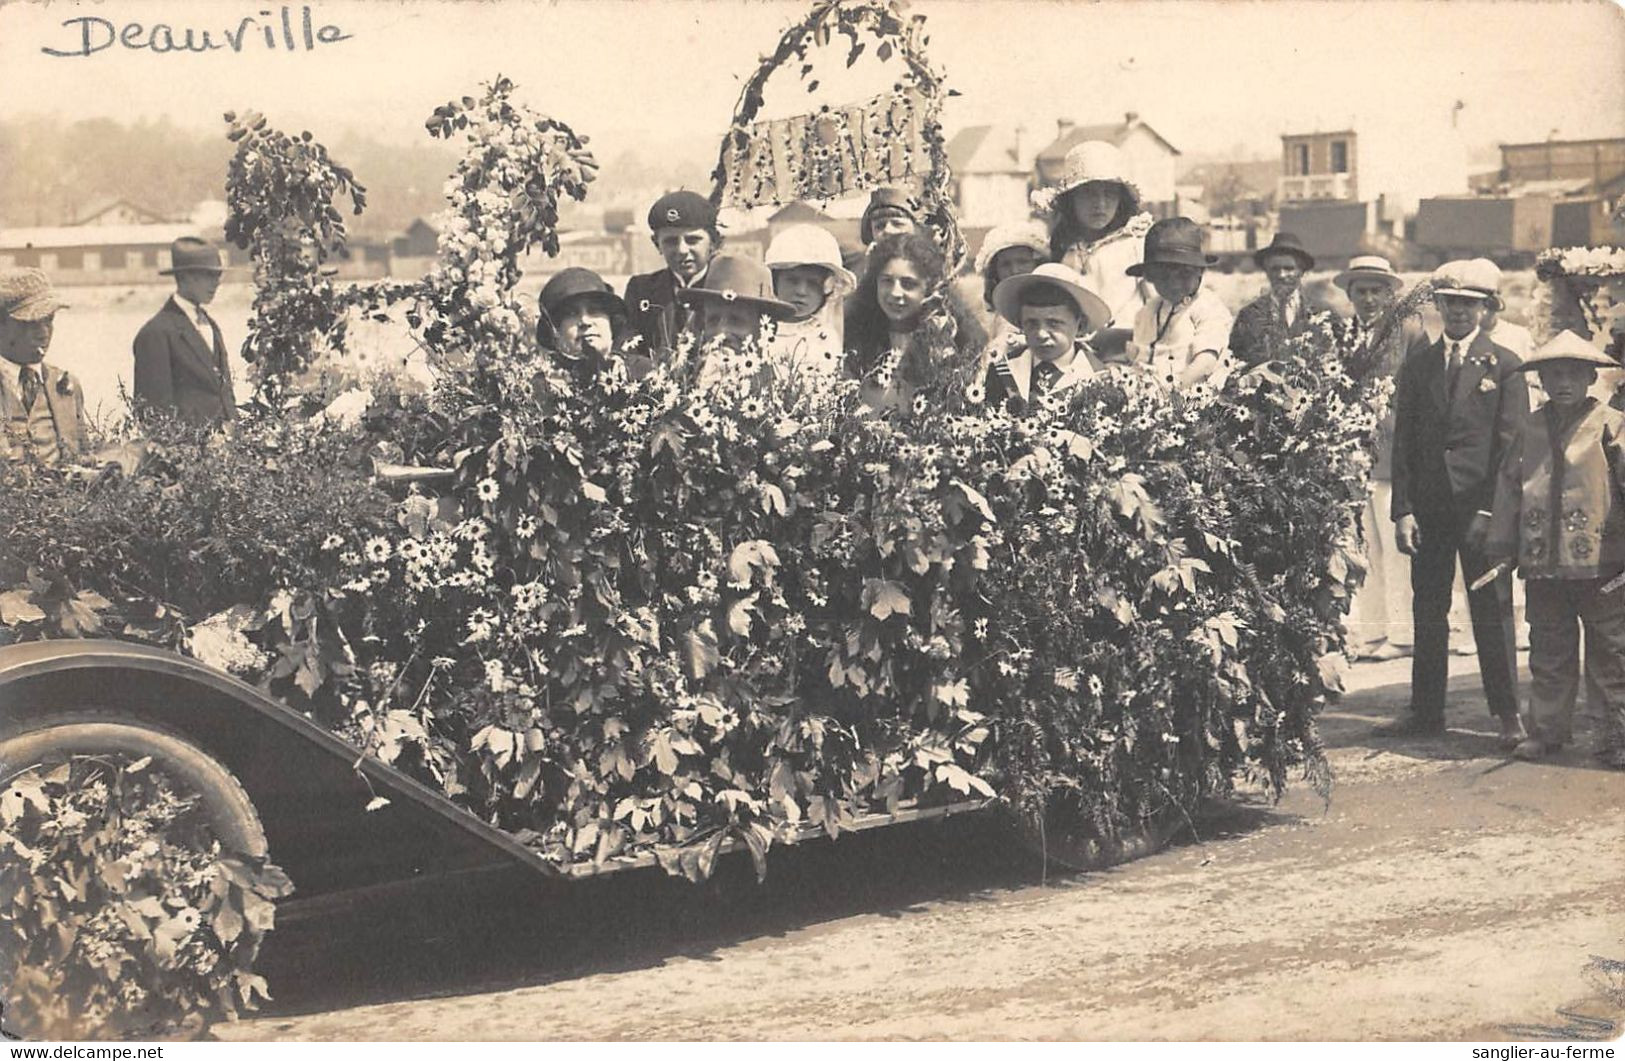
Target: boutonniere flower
64, 385
1487, 384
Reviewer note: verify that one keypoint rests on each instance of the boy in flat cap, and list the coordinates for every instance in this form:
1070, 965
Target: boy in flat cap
42, 407
1559, 515
683, 227
180, 355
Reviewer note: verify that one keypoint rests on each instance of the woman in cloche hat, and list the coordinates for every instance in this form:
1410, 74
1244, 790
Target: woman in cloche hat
582, 322
1098, 228
1182, 334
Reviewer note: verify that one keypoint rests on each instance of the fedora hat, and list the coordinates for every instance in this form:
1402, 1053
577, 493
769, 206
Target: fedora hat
1455, 278
1285, 243
27, 295
799, 245
1369, 267
884, 201
1012, 291
1173, 241
1567, 346
574, 283
190, 252
732, 278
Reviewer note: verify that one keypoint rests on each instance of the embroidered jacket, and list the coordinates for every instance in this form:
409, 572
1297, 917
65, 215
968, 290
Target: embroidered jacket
1558, 496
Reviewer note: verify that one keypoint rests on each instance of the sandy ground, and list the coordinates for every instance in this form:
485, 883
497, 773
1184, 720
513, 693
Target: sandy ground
1445, 892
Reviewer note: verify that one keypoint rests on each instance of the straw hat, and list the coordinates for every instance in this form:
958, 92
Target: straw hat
731, 278
1096, 160
1567, 346
1008, 296
1029, 233
1369, 267
27, 295
799, 245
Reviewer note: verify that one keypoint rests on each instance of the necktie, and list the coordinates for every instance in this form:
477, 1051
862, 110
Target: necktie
1455, 369
30, 381
1045, 373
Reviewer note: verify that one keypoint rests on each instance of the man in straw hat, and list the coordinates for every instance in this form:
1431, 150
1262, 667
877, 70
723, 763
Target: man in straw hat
1182, 334
42, 408
1054, 311
1283, 312
683, 228
180, 356
1456, 406
1558, 515
1379, 618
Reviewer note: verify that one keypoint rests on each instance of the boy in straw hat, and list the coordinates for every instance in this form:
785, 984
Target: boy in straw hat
41, 408
180, 355
1559, 516
808, 274
1182, 334
1055, 312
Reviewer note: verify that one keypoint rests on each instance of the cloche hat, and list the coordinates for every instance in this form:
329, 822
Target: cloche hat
1008, 296
1369, 267
192, 253
1030, 233
1567, 346
884, 201
577, 283
732, 278
1173, 241
27, 295
798, 245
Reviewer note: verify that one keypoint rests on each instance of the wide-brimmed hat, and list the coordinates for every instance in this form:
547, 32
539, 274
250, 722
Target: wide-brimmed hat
1369, 267
1173, 241
1012, 291
1285, 243
1030, 233
1452, 278
1097, 160
798, 245
27, 295
1567, 346
731, 278
682, 209
884, 201
192, 253
574, 283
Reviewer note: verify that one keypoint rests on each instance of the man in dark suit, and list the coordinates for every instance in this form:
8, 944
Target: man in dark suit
180, 355
683, 226
1458, 402
1283, 312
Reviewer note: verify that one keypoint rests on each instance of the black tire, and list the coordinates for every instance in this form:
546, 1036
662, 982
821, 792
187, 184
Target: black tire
1074, 848
224, 804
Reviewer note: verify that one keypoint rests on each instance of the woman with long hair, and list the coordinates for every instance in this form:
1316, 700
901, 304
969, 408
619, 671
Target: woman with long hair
1098, 228
905, 324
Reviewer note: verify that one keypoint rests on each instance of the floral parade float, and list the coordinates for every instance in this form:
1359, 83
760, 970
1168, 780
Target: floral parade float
641, 621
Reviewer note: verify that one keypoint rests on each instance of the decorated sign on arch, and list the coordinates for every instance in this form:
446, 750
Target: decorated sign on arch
834, 152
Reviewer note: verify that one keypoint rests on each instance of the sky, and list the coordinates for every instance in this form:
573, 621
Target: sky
1210, 75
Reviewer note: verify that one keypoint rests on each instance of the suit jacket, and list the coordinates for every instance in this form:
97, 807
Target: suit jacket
1259, 333
64, 400
651, 299
177, 372
1448, 447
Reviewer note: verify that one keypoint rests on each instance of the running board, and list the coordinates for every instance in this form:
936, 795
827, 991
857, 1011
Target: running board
907, 811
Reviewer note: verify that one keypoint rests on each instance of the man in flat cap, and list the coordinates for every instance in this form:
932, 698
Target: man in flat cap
683, 227
41, 405
180, 355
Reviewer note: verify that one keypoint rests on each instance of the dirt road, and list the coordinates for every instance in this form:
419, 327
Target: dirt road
1446, 893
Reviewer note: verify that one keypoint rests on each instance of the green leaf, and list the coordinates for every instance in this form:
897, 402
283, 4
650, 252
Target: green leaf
739, 615
884, 598
17, 606
700, 655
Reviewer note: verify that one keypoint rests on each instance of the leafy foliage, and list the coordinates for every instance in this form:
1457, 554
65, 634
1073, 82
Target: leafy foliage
121, 915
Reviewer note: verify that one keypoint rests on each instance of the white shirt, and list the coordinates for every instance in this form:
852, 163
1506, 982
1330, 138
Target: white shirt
1167, 338
1465, 342
1290, 308
190, 310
